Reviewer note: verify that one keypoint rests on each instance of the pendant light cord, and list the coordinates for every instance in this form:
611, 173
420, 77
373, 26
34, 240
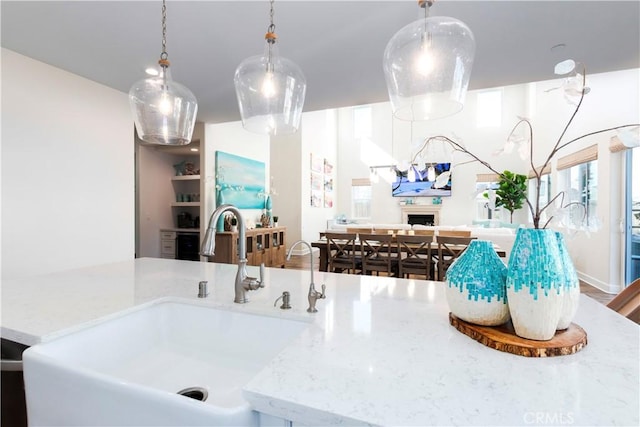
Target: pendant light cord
426, 35
164, 56
272, 27
271, 37
271, 30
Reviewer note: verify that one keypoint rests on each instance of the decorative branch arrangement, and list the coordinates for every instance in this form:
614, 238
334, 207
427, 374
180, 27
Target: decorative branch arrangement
533, 205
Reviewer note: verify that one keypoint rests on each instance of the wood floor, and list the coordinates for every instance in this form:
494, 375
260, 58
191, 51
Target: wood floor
301, 262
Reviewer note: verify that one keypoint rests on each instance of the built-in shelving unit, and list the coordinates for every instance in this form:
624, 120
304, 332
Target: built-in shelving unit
186, 231
186, 204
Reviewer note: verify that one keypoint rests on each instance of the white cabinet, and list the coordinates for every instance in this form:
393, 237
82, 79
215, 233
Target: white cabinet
168, 244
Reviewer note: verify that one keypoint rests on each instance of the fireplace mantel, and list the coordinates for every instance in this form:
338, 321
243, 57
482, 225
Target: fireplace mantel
421, 210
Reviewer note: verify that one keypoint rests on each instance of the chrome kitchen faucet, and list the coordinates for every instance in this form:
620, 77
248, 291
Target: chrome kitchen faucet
243, 282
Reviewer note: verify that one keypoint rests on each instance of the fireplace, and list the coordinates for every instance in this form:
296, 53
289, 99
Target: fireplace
421, 214
422, 219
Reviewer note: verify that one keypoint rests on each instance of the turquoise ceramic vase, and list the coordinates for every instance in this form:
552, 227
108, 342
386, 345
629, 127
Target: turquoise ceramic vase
476, 286
571, 286
268, 205
535, 284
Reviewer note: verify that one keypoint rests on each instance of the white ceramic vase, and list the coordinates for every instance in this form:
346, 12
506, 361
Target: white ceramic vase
476, 286
535, 284
571, 286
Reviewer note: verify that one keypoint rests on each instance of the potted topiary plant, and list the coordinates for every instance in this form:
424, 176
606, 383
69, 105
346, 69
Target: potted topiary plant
275, 221
234, 224
511, 192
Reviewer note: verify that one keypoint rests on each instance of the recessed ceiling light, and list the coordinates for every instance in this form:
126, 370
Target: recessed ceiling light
152, 71
194, 149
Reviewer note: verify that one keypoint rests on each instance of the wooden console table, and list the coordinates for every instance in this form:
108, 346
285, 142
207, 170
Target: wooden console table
264, 245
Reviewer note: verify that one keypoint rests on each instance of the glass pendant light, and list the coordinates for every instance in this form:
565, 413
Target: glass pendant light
164, 111
427, 65
270, 90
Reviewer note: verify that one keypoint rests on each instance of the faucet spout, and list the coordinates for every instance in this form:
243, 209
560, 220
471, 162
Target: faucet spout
313, 295
302, 242
243, 283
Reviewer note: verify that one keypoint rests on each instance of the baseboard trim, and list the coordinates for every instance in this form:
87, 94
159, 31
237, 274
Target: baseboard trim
592, 281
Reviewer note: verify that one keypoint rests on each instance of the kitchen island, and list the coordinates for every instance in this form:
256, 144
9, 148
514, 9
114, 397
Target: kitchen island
381, 351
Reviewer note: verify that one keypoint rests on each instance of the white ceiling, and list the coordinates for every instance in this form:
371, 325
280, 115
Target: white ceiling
338, 44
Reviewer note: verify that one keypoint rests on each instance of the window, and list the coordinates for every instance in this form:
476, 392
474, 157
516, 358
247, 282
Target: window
580, 182
361, 198
545, 192
484, 184
581, 192
362, 122
632, 244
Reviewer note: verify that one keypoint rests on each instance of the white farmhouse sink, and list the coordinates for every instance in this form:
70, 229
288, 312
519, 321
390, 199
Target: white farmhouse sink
127, 370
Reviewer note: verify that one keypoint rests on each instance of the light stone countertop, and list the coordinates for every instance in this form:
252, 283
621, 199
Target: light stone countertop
381, 351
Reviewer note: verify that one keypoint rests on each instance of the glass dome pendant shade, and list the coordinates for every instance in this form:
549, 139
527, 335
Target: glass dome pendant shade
164, 111
427, 66
270, 91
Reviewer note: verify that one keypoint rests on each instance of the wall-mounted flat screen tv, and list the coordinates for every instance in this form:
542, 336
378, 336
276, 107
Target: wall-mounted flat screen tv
423, 187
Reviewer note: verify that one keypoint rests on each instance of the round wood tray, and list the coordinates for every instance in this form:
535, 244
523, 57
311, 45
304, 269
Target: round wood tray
504, 338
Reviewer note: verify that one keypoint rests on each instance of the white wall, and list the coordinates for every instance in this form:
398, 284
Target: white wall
291, 170
155, 194
286, 168
319, 136
67, 170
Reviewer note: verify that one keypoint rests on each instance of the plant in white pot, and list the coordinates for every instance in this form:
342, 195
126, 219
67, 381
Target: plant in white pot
542, 287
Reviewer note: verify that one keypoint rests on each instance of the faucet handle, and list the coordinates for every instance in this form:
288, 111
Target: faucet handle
262, 274
252, 283
323, 295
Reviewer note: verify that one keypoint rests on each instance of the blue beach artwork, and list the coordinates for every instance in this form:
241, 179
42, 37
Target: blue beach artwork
240, 181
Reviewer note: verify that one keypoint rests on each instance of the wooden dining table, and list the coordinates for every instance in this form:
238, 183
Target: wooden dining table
324, 254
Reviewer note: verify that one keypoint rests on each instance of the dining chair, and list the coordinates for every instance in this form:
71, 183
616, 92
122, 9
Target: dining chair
627, 302
378, 254
449, 248
415, 256
454, 233
343, 253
